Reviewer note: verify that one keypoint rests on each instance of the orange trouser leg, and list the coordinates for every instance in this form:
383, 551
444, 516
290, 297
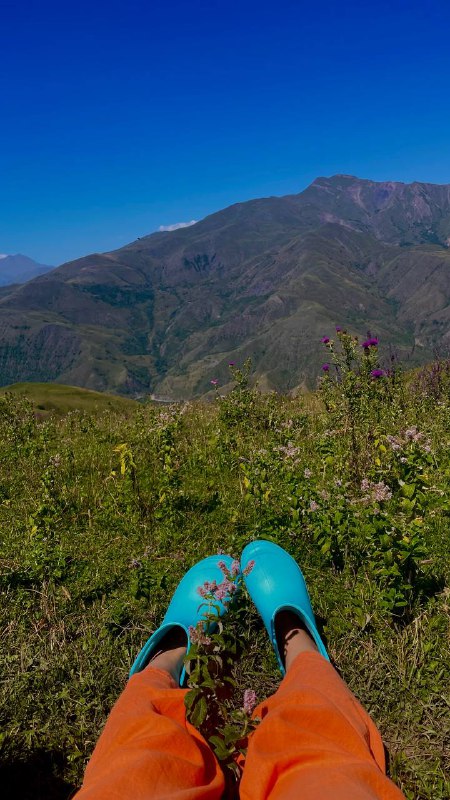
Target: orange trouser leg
149, 751
315, 742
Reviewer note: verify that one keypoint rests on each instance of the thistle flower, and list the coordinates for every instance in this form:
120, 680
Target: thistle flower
325, 339
214, 382
325, 367
378, 373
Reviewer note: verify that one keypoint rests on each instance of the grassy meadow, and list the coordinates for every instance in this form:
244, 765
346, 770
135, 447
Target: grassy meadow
102, 511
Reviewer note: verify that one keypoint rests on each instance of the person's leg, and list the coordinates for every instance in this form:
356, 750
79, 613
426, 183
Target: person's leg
148, 749
315, 741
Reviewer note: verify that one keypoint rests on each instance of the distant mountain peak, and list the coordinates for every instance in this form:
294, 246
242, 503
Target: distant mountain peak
19, 269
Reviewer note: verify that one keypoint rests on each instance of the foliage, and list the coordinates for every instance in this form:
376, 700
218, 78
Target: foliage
102, 513
210, 666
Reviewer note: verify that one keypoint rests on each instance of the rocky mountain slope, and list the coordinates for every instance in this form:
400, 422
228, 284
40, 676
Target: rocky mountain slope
265, 279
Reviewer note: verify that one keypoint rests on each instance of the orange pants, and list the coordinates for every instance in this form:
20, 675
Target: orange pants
314, 742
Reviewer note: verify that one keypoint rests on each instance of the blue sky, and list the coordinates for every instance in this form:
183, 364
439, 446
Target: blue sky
119, 117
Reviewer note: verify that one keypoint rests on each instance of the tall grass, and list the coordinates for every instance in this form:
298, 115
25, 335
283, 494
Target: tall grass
101, 515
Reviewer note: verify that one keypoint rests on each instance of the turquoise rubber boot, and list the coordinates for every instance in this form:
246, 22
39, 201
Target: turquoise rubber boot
276, 583
187, 607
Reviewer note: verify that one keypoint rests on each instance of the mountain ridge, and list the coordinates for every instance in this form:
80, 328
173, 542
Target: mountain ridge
264, 278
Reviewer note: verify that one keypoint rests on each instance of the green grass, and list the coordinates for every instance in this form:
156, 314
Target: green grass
57, 398
102, 513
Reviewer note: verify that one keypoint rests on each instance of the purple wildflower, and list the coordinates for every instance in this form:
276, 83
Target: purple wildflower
231, 363
338, 329
235, 568
325, 339
377, 373
221, 592
197, 635
249, 700
372, 342
381, 492
249, 567
214, 382
313, 505
325, 367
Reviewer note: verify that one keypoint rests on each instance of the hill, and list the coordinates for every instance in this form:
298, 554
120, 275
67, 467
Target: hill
19, 269
53, 398
266, 278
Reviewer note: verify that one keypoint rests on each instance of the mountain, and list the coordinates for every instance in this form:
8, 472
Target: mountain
266, 278
19, 269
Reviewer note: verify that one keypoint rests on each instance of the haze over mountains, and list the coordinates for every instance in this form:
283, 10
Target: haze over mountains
19, 269
266, 278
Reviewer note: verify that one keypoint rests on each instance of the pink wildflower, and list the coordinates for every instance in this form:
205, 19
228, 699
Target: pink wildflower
235, 568
249, 700
197, 635
249, 567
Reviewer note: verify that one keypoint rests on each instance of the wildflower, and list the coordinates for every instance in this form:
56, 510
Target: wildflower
307, 473
289, 451
325, 367
325, 339
413, 434
395, 444
223, 567
249, 567
201, 591
377, 373
135, 564
338, 329
381, 492
197, 635
214, 382
231, 363
313, 506
221, 592
365, 485
235, 568
249, 700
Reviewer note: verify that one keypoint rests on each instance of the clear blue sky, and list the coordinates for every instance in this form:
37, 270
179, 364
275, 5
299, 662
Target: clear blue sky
119, 117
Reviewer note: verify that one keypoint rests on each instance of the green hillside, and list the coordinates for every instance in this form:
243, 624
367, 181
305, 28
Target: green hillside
56, 398
165, 314
101, 515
